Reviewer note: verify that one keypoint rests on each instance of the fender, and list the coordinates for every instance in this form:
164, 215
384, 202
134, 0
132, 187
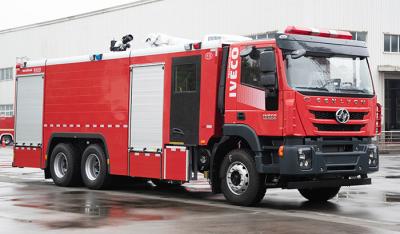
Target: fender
244, 132
229, 131
214, 170
253, 140
77, 136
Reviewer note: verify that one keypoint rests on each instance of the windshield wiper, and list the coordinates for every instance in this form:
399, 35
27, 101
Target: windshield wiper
351, 90
313, 88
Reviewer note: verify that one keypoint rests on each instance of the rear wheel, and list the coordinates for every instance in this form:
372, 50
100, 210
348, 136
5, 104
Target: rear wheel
241, 184
94, 168
7, 139
319, 194
64, 165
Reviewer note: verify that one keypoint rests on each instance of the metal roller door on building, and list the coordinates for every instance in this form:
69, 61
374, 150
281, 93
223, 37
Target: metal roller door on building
392, 101
29, 110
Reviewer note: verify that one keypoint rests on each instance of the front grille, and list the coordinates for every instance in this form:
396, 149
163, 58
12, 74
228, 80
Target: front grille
332, 115
341, 168
339, 127
336, 148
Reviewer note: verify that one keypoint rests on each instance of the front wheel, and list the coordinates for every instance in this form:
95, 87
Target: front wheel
241, 184
319, 194
94, 168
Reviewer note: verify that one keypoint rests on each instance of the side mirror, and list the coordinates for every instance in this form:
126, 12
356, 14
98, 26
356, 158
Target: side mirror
247, 51
298, 53
268, 80
267, 62
250, 51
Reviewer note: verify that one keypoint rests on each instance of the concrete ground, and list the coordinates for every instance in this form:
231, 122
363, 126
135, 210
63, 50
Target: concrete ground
30, 204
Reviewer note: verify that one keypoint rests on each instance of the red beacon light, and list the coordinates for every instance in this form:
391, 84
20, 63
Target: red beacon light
318, 32
197, 45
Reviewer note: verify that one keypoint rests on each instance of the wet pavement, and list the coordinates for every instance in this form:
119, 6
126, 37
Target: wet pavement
30, 204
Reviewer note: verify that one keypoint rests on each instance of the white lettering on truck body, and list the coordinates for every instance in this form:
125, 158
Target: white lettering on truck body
232, 75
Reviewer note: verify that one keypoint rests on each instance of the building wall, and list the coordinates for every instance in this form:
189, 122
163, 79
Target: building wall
194, 18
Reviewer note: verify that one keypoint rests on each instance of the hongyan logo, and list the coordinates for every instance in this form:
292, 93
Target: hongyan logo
233, 74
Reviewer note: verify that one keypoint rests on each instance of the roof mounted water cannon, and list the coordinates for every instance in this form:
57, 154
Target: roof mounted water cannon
122, 45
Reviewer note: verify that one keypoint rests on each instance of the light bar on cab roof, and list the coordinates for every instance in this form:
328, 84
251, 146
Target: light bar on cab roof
318, 32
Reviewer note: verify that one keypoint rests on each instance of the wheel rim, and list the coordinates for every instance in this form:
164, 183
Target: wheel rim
237, 178
7, 140
60, 165
92, 167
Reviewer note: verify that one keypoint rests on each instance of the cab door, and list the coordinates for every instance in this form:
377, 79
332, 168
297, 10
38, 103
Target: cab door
257, 103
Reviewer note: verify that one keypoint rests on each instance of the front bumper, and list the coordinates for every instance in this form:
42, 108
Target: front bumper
348, 163
351, 158
326, 183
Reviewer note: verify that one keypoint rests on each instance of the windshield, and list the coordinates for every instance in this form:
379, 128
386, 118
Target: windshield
342, 75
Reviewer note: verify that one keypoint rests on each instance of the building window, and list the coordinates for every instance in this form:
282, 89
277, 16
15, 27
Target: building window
264, 35
391, 43
6, 73
359, 36
6, 110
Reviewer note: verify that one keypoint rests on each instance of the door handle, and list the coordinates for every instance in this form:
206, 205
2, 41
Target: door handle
241, 116
178, 131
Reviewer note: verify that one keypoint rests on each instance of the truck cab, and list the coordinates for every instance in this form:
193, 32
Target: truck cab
304, 109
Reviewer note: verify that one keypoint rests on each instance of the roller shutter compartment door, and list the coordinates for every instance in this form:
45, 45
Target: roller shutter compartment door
146, 110
29, 110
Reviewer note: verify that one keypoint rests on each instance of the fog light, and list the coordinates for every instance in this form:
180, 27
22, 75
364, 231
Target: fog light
373, 156
305, 158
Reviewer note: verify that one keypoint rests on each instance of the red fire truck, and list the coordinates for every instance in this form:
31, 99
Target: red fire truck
295, 112
6, 130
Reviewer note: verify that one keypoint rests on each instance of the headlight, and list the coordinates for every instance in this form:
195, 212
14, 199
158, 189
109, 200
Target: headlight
373, 156
305, 158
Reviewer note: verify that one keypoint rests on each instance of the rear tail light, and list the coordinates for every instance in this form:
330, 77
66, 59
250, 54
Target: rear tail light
318, 32
378, 118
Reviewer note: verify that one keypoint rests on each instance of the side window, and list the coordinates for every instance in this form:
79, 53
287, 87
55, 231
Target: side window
250, 70
185, 78
265, 77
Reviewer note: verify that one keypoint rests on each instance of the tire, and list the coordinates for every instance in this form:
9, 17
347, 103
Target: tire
7, 139
65, 165
319, 194
236, 167
94, 168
